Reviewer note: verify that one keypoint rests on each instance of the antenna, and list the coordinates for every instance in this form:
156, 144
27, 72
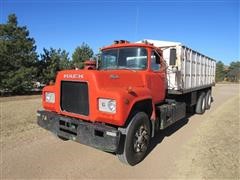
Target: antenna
136, 24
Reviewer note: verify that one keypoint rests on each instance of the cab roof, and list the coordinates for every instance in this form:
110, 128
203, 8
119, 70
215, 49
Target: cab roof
122, 43
146, 43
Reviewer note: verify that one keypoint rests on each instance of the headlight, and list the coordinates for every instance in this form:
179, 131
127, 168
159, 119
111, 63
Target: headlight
107, 105
50, 97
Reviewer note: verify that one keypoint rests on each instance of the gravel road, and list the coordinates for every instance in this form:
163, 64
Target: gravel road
202, 146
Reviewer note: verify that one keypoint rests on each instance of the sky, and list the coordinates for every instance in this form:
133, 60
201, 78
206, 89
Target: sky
208, 26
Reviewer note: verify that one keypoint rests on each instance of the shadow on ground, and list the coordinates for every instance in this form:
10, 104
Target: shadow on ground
160, 135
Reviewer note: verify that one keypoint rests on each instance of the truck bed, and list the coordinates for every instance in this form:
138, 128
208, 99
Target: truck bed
191, 71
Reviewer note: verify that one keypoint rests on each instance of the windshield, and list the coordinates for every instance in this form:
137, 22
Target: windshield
124, 58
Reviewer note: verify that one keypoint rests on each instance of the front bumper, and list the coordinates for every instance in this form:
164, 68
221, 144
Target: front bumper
97, 135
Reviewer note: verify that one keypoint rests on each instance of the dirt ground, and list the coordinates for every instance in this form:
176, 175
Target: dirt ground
200, 147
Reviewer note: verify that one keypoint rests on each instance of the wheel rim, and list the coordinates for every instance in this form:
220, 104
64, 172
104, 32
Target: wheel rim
209, 100
203, 104
141, 139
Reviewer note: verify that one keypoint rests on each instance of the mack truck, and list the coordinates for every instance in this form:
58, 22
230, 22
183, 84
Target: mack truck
135, 90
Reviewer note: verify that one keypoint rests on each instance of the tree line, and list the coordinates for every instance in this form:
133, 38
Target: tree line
21, 67
229, 73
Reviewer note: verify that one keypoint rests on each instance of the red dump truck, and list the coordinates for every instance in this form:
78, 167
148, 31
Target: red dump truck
136, 90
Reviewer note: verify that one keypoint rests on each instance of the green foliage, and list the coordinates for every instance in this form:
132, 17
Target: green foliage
228, 73
220, 74
52, 60
233, 74
81, 54
17, 57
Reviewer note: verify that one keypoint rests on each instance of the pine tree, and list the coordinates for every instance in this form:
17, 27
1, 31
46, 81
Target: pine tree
17, 57
81, 54
220, 74
51, 62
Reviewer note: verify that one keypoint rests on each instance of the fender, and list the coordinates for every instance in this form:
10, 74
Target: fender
144, 104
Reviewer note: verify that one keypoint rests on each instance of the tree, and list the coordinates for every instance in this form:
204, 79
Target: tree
220, 71
51, 61
234, 71
82, 53
17, 57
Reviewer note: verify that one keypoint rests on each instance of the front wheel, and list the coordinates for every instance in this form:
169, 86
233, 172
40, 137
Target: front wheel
137, 140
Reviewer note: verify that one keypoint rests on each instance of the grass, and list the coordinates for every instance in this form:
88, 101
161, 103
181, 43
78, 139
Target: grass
18, 114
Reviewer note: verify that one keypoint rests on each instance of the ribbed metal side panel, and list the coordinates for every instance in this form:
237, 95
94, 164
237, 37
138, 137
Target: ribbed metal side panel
197, 69
192, 69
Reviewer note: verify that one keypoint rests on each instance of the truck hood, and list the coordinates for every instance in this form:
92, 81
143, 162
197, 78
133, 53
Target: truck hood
124, 86
104, 78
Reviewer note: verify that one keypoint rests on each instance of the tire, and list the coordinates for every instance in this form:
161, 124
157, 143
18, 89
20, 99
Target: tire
62, 138
201, 103
208, 99
137, 140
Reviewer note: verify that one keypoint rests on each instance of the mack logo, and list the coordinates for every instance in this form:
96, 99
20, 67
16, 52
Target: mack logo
73, 76
114, 76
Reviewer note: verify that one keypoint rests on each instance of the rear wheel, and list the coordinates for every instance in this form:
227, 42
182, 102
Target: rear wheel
201, 103
208, 99
137, 140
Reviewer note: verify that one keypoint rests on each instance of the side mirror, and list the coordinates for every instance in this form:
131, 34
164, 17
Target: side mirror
173, 57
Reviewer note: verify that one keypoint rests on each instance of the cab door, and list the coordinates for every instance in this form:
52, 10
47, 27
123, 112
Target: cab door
157, 77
